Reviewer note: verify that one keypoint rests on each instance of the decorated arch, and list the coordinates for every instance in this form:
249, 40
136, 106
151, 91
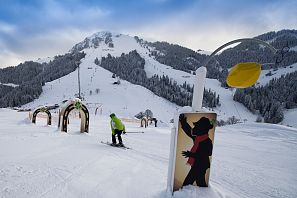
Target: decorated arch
83, 112
144, 122
151, 120
45, 110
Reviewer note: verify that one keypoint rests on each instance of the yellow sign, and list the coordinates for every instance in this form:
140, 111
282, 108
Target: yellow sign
244, 75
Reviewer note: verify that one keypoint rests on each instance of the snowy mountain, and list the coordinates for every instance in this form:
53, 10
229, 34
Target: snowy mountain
127, 99
160, 58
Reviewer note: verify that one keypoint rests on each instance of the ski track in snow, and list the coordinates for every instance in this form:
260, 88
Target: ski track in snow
249, 160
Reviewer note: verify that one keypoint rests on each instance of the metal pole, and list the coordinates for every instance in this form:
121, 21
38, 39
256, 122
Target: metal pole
78, 76
198, 89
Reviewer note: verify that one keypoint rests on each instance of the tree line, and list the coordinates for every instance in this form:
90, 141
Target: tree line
130, 67
31, 76
270, 100
187, 60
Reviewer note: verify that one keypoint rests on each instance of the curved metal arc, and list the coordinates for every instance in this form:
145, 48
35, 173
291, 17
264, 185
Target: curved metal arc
237, 41
49, 115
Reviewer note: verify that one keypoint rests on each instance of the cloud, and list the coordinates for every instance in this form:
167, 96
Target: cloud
213, 26
48, 30
281, 14
49, 44
78, 14
53, 15
7, 28
52, 27
8, 58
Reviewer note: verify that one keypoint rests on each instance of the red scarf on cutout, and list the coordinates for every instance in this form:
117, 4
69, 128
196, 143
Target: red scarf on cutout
195, 147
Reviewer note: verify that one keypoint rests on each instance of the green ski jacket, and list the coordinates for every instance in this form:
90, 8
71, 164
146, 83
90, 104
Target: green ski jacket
116, 123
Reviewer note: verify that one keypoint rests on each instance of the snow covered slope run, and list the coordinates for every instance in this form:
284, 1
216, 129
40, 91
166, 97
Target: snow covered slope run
127, 99
249, 160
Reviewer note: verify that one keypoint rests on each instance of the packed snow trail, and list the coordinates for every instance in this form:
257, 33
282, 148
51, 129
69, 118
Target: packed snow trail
249, 160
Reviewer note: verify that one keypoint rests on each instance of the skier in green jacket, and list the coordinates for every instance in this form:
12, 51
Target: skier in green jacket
117, 128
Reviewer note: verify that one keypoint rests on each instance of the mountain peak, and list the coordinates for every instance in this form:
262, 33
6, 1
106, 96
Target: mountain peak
103, 34
95, 40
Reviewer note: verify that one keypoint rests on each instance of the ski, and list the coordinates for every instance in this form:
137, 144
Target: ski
135, 132
117, 145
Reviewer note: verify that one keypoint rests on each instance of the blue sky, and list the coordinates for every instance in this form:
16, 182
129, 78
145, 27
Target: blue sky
39, 28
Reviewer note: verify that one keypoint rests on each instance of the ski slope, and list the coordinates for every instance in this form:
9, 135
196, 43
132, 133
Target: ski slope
249, 160
127, 99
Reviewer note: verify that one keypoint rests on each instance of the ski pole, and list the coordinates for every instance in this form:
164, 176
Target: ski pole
136, 132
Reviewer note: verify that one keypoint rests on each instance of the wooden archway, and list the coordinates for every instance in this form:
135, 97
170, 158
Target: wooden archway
100, 110
143, 122
153, 120
45, 110
84, 116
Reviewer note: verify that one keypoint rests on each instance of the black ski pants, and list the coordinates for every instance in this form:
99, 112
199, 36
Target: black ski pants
118, 133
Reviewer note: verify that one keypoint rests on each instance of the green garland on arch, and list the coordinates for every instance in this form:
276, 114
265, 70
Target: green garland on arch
43, 109
77, 105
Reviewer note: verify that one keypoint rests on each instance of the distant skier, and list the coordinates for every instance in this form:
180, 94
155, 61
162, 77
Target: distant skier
200, 152
117, 128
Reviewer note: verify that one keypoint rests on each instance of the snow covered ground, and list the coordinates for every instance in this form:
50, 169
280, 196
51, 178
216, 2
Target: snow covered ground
44, 60
263, 79
249, 160
290, 118
9, 84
